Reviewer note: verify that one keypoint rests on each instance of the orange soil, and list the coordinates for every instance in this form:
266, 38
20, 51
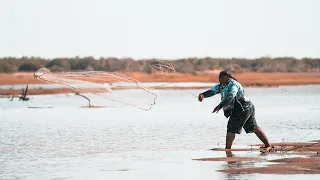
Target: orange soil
15, 92
247, 79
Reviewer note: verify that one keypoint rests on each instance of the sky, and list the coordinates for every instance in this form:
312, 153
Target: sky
166, 29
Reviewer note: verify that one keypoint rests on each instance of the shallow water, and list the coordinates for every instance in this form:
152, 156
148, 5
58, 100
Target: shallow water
70, 142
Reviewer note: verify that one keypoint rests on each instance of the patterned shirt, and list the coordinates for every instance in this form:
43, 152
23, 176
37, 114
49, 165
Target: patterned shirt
230, 93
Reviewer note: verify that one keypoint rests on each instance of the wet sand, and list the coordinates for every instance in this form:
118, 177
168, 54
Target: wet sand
95, 106
309, 165
298, 147
296, 165
236, 149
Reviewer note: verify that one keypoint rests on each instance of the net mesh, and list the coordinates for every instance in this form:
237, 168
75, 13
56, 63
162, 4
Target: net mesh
166, 68
107, 85
117, 88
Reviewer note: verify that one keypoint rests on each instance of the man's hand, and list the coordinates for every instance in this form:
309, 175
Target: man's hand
216, 109
200, 97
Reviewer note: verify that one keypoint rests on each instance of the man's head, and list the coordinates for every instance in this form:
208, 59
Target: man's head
224, 77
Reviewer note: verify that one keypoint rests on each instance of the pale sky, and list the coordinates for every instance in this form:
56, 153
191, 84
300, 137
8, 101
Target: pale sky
167, 29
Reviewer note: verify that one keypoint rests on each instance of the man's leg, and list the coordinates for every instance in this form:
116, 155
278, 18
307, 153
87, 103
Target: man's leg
229, 139
262, 136
252, 126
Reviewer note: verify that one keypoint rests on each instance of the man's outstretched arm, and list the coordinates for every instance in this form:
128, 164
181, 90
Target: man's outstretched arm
211, 92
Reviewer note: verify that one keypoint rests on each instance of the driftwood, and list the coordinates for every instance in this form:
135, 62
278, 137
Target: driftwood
23, 96
89, 106
78, 94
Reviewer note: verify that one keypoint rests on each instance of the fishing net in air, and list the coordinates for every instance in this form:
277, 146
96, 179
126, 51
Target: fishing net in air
113, 89
166, 68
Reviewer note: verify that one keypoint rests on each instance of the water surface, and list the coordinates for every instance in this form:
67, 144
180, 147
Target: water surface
70, 142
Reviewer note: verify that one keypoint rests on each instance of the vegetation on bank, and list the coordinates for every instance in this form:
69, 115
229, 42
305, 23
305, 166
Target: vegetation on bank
189, 65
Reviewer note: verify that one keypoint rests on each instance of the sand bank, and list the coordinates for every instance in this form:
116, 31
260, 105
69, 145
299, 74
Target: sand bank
296, 165
247, 79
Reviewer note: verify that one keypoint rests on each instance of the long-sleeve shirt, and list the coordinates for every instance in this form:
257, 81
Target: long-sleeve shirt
230, 93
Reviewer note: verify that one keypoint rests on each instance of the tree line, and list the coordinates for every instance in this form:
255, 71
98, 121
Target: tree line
188, 65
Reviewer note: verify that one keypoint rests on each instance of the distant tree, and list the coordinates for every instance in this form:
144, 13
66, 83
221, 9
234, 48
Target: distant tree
29, 67
60, 64
187, 65
6, 68
233, 68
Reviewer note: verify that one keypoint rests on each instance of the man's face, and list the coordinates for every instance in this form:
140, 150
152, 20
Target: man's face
223, 79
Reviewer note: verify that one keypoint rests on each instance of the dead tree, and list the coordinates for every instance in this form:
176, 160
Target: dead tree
23, 96
78, 94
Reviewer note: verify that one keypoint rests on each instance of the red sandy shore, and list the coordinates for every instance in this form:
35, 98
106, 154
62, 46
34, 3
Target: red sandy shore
246, 79
40, 91
297, 165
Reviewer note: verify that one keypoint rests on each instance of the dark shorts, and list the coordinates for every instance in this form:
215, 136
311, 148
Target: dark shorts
242, 119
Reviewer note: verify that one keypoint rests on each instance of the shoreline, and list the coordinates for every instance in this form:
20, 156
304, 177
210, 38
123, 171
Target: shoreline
309, 164
248, 79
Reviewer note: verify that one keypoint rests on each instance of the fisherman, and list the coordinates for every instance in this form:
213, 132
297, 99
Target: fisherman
237, 107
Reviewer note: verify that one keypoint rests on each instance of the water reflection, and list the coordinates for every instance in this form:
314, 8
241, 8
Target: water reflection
236, 164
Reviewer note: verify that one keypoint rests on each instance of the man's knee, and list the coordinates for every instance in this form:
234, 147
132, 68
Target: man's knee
231, 134
257, 130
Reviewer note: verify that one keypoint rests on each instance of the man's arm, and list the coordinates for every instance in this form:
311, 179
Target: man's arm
211, 92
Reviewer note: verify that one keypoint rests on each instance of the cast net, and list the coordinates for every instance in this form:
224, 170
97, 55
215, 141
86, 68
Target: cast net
166, 68
116, 88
